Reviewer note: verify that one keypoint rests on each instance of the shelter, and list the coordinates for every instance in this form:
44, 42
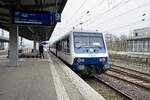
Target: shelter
37, 33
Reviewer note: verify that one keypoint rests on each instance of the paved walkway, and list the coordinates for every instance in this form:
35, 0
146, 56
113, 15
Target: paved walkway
30, 80
42, 79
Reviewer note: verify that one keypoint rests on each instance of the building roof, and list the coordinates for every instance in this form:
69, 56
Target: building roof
139, 38
141, 33
42, 32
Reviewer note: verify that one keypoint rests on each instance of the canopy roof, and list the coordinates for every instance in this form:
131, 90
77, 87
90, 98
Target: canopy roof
42, 33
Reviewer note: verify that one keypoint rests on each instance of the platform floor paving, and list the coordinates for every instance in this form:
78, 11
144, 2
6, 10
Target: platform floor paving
38, 79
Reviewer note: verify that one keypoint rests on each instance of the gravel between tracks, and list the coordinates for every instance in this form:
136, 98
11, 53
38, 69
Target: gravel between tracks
132, 90
107, 92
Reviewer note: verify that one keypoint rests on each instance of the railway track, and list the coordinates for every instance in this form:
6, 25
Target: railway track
131, 76
131, 80
114, 88
114, 65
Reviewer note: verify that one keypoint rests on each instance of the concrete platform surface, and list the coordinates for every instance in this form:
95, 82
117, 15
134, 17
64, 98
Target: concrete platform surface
42, 79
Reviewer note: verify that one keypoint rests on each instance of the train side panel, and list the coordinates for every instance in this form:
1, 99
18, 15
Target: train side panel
65, 49
52, 48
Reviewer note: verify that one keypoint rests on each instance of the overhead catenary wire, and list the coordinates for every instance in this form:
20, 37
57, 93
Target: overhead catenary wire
125, 26
103, 13
93, 7
81, 23
107, 11
91, 18
76, 11
122, 14
100, 3
87, 11
88, 21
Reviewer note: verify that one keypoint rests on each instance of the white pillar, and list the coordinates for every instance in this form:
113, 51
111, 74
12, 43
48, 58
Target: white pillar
13, 45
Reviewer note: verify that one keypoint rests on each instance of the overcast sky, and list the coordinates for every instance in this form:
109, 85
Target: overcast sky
107, 16
113, 16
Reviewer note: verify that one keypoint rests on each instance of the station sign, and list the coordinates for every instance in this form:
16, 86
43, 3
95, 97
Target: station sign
26, 17
56, 17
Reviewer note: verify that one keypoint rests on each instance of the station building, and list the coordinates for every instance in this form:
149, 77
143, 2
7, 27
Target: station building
140, 41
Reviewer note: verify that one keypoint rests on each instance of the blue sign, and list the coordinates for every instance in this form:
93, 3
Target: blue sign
31, 17
35, 17
55, 17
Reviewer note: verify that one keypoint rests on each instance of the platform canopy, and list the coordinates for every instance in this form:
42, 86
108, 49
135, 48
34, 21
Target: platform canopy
42, 33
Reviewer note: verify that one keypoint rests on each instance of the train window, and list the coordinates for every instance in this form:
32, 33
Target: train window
88, 40
81, 41
59, 46
68, 42
64, 46
96, 41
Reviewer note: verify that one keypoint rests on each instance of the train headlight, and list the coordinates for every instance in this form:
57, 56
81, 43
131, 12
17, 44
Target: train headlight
101, 59
80, 60
106, 66
91, 50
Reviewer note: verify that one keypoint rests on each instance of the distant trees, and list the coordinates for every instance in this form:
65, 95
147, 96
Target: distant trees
116, 43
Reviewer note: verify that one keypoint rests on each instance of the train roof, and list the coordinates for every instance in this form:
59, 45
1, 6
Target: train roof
77, 30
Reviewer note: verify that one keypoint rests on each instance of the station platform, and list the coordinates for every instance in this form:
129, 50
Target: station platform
42, 79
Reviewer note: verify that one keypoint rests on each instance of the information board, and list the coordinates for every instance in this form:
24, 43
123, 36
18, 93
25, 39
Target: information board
35, 17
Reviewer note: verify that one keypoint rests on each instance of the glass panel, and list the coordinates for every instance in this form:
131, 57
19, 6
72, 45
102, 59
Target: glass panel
81, 41
88, 39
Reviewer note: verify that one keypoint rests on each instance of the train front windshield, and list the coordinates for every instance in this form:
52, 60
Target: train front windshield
84, 39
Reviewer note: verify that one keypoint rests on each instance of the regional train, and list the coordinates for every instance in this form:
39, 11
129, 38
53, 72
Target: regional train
84, 51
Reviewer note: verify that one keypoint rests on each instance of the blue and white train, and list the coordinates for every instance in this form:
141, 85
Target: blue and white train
84, 51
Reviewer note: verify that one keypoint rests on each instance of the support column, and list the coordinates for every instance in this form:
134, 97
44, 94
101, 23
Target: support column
13, 45
0, 45
34, 46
